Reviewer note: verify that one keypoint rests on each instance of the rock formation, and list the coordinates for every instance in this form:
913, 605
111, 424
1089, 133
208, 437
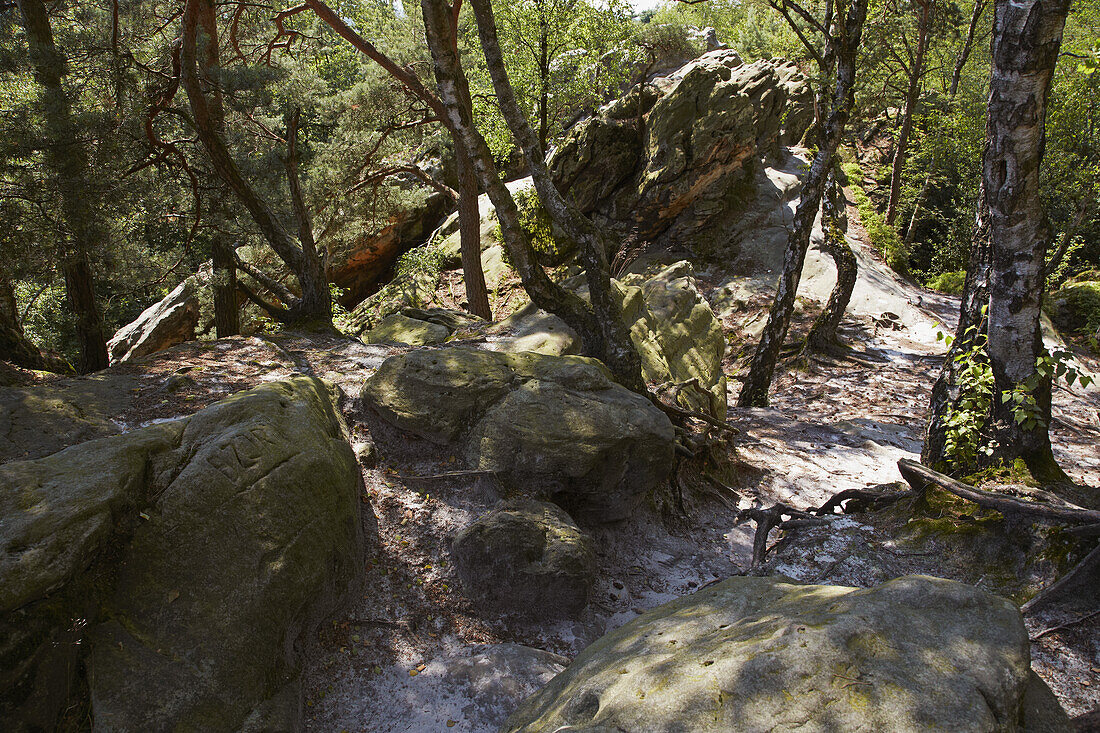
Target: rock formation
526, 558
549, 425
165, 578
167, 322
916, 653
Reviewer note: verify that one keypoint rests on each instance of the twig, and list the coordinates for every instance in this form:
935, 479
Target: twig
1066, 625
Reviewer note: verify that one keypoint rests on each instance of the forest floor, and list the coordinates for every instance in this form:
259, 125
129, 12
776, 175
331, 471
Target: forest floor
403, 656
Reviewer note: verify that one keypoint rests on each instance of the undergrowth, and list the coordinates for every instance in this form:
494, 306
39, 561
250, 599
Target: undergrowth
883, 237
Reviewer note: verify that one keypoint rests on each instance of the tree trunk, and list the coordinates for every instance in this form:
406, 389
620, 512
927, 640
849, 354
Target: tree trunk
964, 54
314, 307
15, 347
823, 335
227, 320
614, 346
754, 391
1083, 206
901, 149
975, 298
67, 161
457, 107
1027, 35
469, 233
544, 84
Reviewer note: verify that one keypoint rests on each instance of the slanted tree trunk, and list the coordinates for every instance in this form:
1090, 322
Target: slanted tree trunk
67, 162
912, 94
968, 45
1027, 36
754, 392
946, 392
15, 347
822, 334
468, 214
314, 306
615, 347
227, 321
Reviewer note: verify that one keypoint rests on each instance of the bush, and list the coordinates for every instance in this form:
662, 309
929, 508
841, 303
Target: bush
1076, 308
948, 282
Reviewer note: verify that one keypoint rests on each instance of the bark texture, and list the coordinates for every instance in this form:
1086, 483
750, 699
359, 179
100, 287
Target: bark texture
314, 305
1027, 35
849, 29
469, 234
823, 334
68, 163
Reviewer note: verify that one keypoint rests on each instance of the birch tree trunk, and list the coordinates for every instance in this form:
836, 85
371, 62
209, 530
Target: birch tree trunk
1027, 35
822, 334
614, 347
67, 161
457, 107
754, 391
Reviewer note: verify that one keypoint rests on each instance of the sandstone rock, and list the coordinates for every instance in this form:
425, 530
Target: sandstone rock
180, 565
164, 324
916, 653
532, 329
666, 160
401, 329
526, 558
358, 266
38, 420
677, 336
552, 425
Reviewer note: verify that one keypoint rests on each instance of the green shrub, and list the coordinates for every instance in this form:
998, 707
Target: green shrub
884, 238
948, 282
1076, 307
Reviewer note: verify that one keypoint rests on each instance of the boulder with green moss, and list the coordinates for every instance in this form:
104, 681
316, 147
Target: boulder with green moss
551, 425
916, 653
526, 558
677, 336
39, 420
166, 578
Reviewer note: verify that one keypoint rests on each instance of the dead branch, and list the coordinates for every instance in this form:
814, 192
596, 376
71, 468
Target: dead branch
1049, 508
772, 518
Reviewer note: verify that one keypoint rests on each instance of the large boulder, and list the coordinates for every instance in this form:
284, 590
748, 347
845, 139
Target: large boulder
166, 578
669, 157
553, 425
526, 558
42, 419
749, 654
677, 336
166, 323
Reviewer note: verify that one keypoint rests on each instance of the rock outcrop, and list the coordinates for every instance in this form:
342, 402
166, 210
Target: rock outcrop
177, 568
526, 558
556, 426
164, 324
671, 156
916, 653
38, 420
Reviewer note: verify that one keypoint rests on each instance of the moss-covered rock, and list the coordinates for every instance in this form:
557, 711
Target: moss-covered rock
527, 558
916, 653
40, 420
401, 329
677, 336
550, 425
180, 565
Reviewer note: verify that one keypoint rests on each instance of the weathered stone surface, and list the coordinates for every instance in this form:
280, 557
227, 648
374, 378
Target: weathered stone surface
533, 329
180, 565
663, 160
748, 654
42, 419
552, 425
359, 266
677, 336
164, 324
401, 329
527, 558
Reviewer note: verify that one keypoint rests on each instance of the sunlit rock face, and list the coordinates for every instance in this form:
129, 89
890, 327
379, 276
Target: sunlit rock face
669, 157
749, 654
554, 426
